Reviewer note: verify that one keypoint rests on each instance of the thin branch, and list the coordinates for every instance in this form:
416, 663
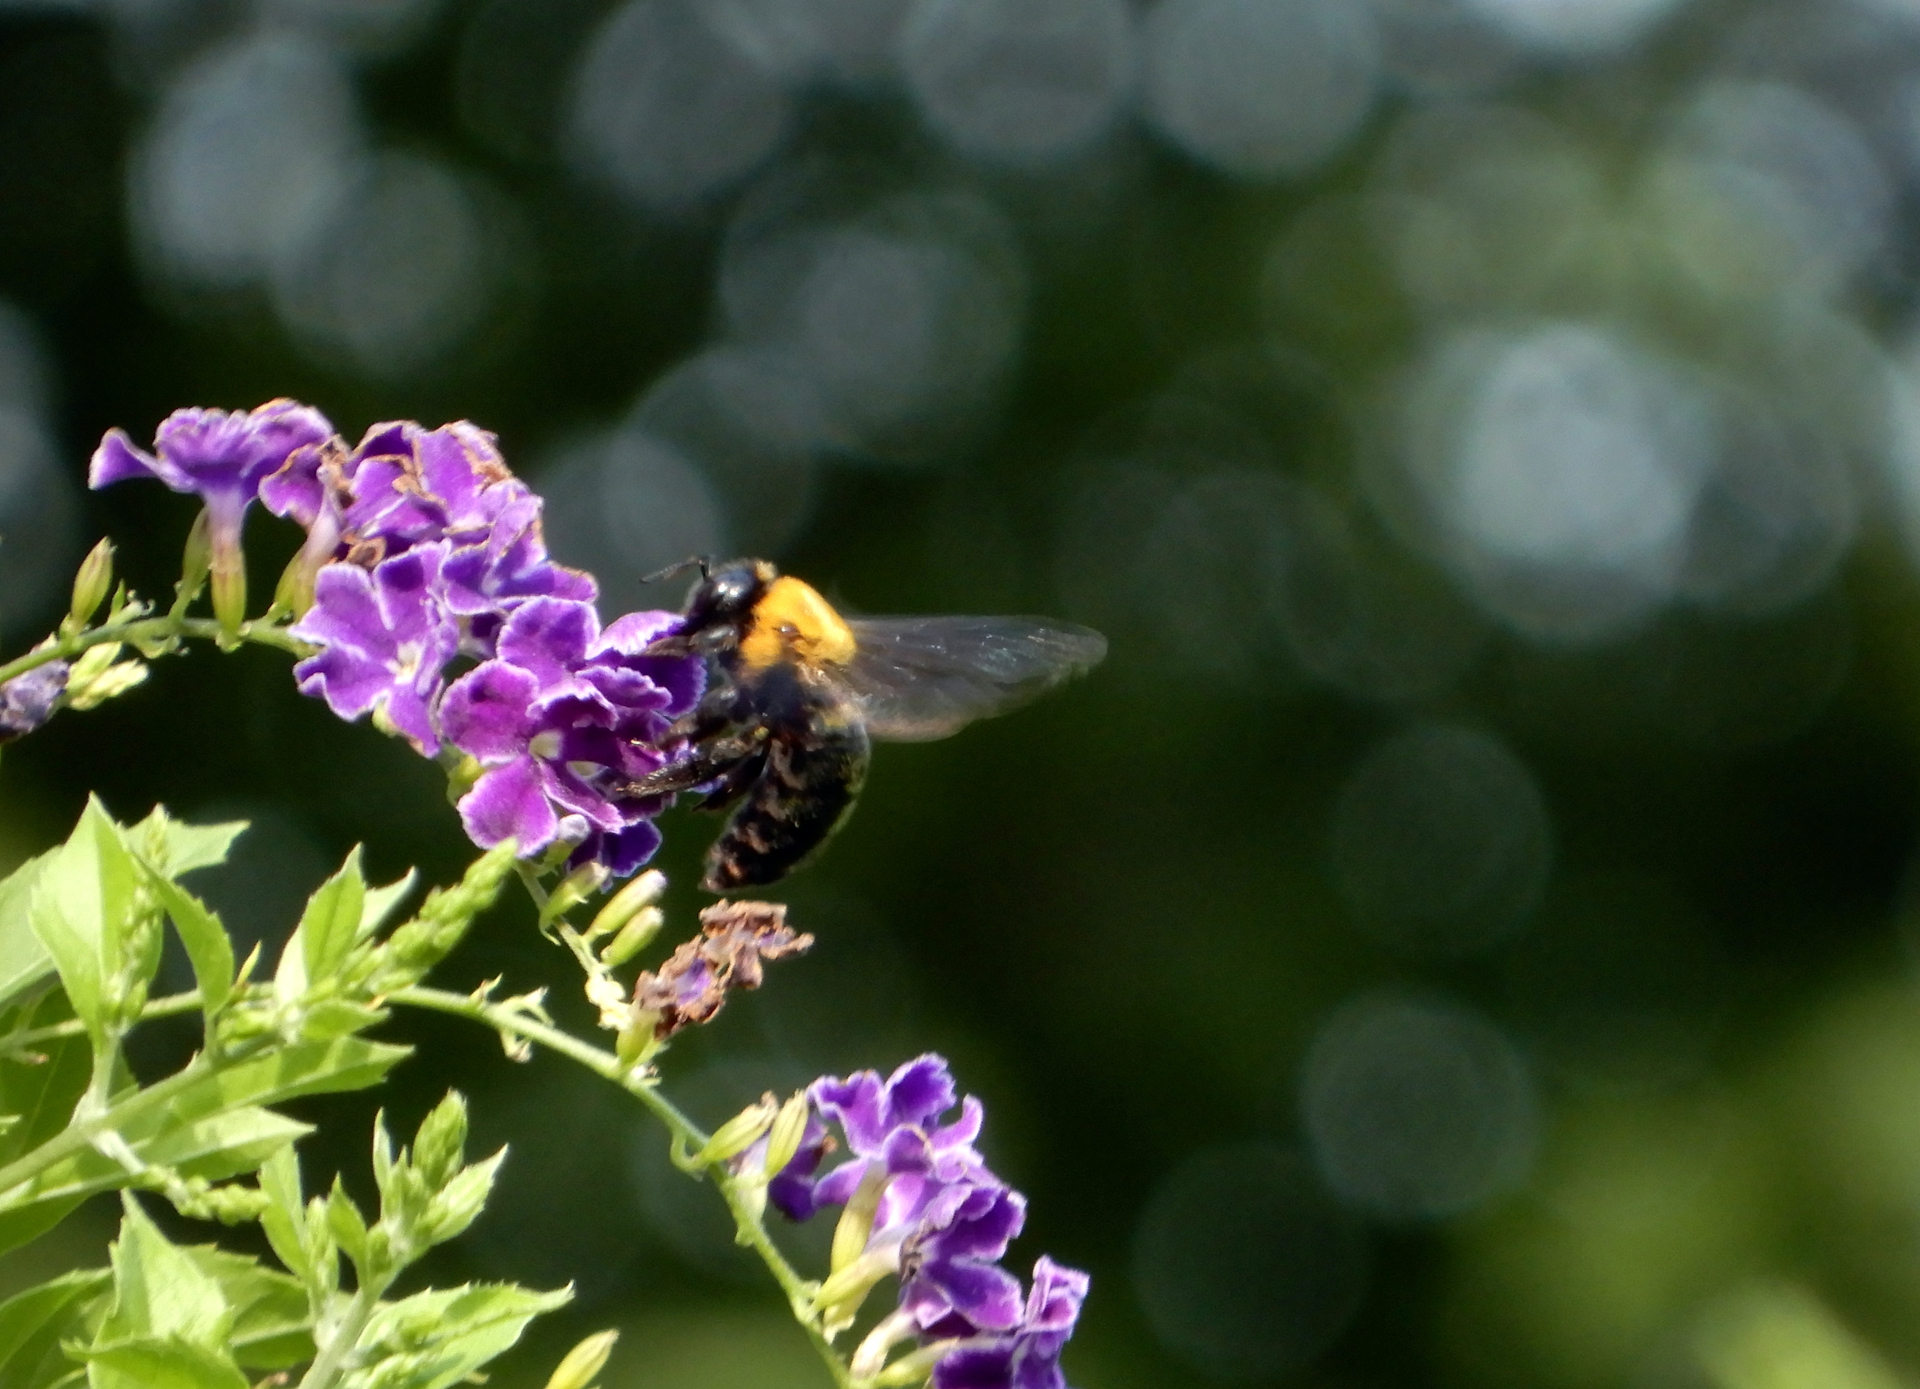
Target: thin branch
685, 1133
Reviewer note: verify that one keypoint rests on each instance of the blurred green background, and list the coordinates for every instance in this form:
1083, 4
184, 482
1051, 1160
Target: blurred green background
1462, 935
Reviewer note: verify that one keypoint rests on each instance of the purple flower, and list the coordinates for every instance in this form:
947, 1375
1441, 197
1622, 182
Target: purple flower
562, 719
1028, 1357
220, 455
941, 1221
27, 701
405, 485
385, 638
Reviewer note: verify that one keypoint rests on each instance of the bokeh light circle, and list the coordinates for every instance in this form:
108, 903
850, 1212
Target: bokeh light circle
253, 148
1020, 82
667, 112
1442, 842
1243, 1265
1261, 90
1416, 1108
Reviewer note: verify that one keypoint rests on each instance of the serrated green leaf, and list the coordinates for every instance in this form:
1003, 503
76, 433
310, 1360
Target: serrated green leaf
331, 921
305, 1068
176, 848
284, 1219
383, 902
271, 1318
29, 1319
24, 961
162, 1363
460, 1204
205, 937
81, 907
454, 1331
159, 1291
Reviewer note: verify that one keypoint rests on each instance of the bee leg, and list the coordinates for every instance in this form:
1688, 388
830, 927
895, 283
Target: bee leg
736, 782
716, 712
712, 761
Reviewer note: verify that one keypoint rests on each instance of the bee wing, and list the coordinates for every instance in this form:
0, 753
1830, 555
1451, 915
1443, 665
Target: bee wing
921, 678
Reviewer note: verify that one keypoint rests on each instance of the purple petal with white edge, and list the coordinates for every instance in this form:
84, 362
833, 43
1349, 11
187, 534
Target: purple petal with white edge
987, 1296
858, 1104
985, 1228
345, 613
484, 712
633, 633
571, 791
294, 490
118, 459
350, 682
838, 1186
507, 802
962, 1131
548, 636
405, 588
920, 1090
1058, 1292
410, 710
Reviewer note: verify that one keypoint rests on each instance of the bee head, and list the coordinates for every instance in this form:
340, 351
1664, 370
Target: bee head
718, 608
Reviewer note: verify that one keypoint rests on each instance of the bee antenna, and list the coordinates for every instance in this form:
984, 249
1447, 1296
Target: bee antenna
704, 563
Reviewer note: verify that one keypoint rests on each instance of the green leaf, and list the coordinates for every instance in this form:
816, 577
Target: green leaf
272, 1322
24, 961
162, 1363
454, 1331
383, 902
205, 938
335, 1017
32, 1322
159, 1290
460, 1204
81, 908
284, 1219
305, 1068
176, 848
40, 1087
331, 921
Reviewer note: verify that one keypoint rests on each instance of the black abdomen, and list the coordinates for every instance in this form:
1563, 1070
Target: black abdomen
813, 774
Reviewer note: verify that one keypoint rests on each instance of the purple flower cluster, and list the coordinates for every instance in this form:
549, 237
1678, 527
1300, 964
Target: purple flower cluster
27, 701
424, 555
941, 1221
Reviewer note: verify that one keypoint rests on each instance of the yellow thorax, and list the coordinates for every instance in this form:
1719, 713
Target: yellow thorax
793, 622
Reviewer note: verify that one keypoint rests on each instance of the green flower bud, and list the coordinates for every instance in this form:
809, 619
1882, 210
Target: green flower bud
92, 583
572, 890
197, 561
739, 1133
583, 1362
643, 890
640, 929
439, 1148
789, 1127
96, 677
856, 1219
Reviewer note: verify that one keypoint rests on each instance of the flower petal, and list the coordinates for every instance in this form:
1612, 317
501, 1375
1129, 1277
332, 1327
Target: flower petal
507, 802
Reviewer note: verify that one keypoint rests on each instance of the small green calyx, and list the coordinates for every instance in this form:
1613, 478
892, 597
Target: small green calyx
91, 584
583, 1362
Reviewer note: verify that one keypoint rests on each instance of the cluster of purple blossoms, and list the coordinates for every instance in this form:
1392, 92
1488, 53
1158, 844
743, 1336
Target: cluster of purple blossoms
940, 1223
426, 584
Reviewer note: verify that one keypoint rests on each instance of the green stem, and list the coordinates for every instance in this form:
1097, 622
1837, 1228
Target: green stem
753, 1230
171, 1006
145, 629
331, 1362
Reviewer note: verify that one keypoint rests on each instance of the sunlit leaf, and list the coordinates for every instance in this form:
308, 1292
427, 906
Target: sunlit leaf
205, 937
32, 1322
331, 921
176, 848
24, 961
465, 1328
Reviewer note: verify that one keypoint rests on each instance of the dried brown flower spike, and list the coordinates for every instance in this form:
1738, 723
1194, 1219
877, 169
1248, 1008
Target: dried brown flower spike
693, 984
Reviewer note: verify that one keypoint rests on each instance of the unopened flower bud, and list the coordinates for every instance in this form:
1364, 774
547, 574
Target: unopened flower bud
789, 1128
641, 928
92, 582
197, 560
572, 890
96, 678
642, 890
739, 1133
293, 594
439, 1148
584, 1361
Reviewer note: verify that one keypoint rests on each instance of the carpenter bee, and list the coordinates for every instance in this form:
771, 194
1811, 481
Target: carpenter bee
782, 735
